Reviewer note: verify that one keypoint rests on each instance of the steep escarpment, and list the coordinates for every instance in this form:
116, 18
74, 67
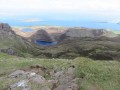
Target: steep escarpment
74, 42
12, 43
98, 44
52, 33
6, 31
85, 32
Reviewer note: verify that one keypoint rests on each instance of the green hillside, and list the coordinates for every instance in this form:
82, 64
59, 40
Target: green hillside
93, 75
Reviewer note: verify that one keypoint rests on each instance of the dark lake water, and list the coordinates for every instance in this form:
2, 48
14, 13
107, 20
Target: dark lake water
45, 43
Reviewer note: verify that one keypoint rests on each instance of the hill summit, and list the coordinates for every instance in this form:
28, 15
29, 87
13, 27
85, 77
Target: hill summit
6, 30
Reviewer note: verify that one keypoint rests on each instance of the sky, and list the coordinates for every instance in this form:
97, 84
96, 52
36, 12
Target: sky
29, 10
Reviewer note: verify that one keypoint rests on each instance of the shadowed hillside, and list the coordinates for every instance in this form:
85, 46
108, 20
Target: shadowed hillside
14, 44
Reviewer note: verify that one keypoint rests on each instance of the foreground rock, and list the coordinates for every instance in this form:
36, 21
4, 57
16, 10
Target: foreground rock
38, 79
17, 73
23, 85
61, 80
66, 79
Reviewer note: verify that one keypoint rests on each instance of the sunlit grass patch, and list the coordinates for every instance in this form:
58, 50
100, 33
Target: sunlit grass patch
94, 75
102, 75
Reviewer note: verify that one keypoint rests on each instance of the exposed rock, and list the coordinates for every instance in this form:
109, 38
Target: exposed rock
85, 32
61, 80
5, 27
27, 88
45, 88
38, 79
29, 74
66, 79
5, 30
68, 86
58, 74
54, 31
52, 83
9, 51
38, 67
21, 84
61, 87
59, 33
52, 72
17, 73
23, 74
71, 71
13, 44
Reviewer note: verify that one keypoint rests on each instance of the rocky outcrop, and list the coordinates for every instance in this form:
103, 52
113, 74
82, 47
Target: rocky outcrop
6, 37
42, 35
51, 33
6, 30
85, 32
9, 51
60, 80
5, 27
13, 44
72, 43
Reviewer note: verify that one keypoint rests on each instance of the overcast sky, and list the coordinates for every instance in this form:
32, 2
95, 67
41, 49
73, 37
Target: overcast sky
109, 8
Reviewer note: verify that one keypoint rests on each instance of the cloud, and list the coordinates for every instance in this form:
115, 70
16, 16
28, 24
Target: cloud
31, 20
22, 7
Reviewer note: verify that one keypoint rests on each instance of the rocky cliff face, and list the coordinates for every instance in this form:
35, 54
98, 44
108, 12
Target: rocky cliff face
94, 46
85, 32
59, 33
6, 31
12, 43
5, 27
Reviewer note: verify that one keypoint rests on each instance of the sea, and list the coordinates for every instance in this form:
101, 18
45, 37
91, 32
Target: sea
66, 23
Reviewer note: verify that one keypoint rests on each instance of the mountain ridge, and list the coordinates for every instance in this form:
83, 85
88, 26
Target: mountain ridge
101, 47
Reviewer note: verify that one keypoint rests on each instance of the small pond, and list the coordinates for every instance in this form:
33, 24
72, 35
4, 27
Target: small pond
45, 43
27, 30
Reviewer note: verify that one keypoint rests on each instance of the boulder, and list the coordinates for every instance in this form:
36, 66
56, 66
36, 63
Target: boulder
52, 83
23, 74
29, 74
68, 86
58, 74
38, 79
45, 88
17, 73
22, 84
9, 51
71, 71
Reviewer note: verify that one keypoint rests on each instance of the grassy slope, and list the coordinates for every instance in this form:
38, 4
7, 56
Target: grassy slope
21, 46
86, 47
95, 75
